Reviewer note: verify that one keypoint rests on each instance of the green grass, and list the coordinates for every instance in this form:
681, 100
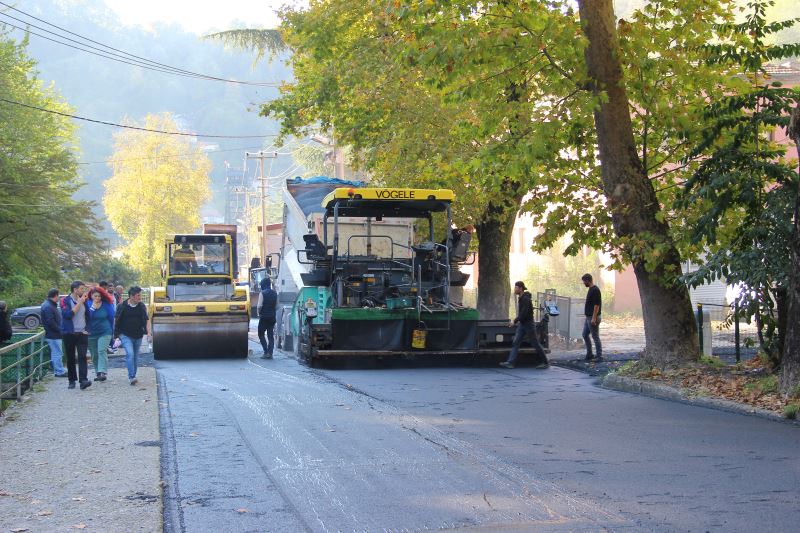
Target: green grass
712, 361
790, 411
768, 384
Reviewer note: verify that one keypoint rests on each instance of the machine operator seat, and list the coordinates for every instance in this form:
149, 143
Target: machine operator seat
315, 250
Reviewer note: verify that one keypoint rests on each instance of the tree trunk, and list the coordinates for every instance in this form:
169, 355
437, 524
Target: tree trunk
790, 367
494, 243
670, 329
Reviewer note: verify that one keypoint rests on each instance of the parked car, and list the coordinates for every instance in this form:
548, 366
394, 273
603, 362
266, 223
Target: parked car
28, 317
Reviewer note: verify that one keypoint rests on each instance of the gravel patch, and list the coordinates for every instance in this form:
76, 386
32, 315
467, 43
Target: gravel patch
87, 460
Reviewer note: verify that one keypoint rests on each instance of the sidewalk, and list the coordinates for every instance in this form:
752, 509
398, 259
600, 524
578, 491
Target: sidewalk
88, 460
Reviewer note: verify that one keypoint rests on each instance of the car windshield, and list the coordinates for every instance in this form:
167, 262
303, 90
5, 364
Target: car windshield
202, 258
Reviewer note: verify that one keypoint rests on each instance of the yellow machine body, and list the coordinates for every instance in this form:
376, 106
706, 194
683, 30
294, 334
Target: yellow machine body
199, 311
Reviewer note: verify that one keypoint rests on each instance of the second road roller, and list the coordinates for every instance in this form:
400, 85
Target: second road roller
199, 311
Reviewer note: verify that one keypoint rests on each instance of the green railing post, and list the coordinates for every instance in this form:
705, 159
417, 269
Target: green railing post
19, 381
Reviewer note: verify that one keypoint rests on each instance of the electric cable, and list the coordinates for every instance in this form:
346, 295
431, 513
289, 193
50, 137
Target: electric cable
137, 128
160, 66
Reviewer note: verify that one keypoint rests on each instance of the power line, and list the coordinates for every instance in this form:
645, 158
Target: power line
116, 125
210, 152
139, 61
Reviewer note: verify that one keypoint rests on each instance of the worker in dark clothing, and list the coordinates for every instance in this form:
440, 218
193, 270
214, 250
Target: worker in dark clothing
267, 303
591, 326
525, 327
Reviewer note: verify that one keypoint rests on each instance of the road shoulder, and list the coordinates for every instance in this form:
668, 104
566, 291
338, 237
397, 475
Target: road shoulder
665, 392
83, 460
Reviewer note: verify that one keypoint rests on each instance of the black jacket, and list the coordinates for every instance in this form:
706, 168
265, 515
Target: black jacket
524, 309
130, 321
269, 301
5, 326
51, 319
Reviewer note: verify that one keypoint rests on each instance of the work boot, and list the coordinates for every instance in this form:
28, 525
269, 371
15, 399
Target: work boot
86, 384
71, 385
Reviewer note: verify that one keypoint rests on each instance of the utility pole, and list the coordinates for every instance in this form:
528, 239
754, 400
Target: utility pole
261, 156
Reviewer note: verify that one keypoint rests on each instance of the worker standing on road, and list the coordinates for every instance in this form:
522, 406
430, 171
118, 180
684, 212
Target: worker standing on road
525, 326
267, 302
130, 325
591, 327
51, 320
74, 333
101, 329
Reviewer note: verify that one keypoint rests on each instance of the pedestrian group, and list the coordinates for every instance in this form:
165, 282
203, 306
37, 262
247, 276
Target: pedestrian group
94, 321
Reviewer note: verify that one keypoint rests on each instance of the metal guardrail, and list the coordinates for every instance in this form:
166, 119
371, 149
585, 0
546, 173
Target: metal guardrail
22, 363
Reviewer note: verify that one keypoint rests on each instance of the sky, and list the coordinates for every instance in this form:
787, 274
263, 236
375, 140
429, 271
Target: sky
198, 17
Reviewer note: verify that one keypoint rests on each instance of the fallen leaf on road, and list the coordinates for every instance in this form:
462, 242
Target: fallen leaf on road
194, 434
79, 526
36, 502
347, 408
242, 510
4, 493
162, 483
19, 529
39, 464
79, 499
95, 471
183, 379
44, 513
331, 430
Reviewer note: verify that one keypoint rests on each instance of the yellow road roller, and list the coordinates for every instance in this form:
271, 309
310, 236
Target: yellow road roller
199, 311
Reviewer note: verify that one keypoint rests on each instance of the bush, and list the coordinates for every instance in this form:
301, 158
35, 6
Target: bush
790, 411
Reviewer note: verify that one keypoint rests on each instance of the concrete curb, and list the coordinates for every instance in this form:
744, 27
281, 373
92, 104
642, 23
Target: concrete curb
665, 392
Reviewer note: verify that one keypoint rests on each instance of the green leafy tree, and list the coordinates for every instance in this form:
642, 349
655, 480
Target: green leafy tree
158, 187
42, 228
745, 184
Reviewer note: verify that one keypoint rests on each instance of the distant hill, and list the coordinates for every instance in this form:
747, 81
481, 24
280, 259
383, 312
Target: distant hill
102, 89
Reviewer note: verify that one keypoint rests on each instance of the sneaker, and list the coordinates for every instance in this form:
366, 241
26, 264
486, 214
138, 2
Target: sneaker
542, 365
85, 384
71, 385
61, 375
134, 381
588, 357
506, 364
102, 377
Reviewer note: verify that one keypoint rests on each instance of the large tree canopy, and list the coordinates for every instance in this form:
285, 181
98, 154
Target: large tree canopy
42, 228
159, 184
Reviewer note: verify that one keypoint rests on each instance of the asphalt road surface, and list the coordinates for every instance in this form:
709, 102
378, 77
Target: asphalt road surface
269, 445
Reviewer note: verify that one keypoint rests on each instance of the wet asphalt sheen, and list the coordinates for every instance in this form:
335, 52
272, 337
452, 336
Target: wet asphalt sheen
269, 445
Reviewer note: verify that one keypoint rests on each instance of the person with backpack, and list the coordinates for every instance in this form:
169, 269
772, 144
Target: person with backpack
267, 302
51, 320
131, 324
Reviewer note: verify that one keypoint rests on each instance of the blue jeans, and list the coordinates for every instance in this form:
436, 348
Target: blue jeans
131, 347
594, 331
523, 329
55, 356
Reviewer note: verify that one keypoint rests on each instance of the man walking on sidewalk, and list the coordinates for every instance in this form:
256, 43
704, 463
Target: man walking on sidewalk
592, 309
75, 334
525, 326
130, 325
51, 320
267, 302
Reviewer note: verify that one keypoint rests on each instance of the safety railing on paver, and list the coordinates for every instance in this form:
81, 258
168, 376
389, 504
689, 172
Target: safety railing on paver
22, 363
